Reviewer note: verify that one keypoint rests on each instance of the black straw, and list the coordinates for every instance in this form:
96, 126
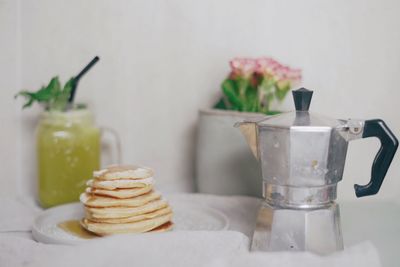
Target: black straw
77, 77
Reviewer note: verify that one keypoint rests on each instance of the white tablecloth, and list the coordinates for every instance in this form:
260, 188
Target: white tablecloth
370, 233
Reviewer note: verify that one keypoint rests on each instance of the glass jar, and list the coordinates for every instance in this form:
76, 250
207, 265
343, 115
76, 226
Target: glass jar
68, 151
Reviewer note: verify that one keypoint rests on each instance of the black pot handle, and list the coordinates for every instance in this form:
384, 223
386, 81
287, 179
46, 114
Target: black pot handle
389, 144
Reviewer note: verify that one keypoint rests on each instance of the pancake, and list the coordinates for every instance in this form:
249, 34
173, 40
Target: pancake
135, 227
123, 172
135, 218
163, 228
103, 202
120, 183
120, 199
124, 212
120, 193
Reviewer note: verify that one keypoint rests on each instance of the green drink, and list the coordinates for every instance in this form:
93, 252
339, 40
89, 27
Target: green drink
68, 151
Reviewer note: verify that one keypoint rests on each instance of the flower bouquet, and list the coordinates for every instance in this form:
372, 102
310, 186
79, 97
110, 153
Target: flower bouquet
253, 84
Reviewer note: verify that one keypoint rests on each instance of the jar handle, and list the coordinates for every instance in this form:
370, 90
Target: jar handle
117, 156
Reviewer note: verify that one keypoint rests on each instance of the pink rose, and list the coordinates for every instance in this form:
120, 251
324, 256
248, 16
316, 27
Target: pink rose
243, 66
270, 67
266, 66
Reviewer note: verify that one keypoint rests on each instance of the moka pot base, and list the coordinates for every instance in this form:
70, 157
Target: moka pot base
298, 219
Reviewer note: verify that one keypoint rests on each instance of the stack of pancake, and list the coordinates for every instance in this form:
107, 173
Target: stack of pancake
121, 199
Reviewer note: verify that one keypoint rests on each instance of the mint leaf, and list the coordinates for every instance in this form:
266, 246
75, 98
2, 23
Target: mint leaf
52, 94
61, 99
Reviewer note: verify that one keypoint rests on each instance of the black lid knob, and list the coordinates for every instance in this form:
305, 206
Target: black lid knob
302, 99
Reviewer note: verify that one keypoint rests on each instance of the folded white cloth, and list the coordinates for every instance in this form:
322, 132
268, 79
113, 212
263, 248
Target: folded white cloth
360, 255
183, 248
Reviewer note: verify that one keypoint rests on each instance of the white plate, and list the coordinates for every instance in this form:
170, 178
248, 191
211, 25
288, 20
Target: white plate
187, 216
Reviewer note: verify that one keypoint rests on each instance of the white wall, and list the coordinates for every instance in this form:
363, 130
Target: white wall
163, 60
8, 111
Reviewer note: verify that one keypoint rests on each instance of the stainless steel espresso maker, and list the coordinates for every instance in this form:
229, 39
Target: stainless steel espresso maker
302, 158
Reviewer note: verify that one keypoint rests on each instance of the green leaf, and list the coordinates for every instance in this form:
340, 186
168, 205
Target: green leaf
30, 98
52, 95
282, 90
61, 100
47, 93
220, 104
28, 104
251, 104
242, 85
228, 88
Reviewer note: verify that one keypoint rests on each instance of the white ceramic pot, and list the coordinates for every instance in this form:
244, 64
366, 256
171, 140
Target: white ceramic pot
224, 162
